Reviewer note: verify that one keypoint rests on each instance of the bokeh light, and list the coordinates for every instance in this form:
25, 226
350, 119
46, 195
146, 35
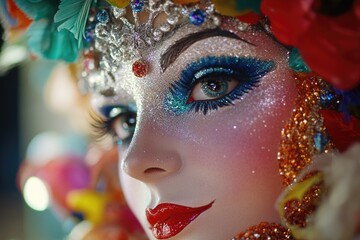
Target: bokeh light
36, 194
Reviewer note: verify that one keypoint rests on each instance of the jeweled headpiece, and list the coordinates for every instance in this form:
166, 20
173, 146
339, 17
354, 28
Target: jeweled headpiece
63, 29
119, 35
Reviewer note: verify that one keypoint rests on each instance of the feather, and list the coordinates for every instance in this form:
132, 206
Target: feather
38, 9
297, 63
46, 41
72, 16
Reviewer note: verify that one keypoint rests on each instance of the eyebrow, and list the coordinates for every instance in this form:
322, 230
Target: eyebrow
173, 52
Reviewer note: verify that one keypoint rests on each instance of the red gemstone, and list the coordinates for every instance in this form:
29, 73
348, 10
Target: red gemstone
140, 68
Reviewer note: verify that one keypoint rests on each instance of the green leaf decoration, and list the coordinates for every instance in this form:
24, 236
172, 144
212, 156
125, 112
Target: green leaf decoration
45, 41
72, 16
297, 63
38, 9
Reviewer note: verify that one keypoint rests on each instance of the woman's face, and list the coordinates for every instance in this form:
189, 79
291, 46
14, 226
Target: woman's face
200, 162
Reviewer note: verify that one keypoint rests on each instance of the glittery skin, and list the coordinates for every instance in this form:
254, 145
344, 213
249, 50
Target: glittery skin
219, 142
297, 141
228, 154
265, 231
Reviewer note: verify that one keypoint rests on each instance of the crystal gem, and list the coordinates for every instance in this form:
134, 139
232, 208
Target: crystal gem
108, 64
326, 97
89, 35
165, 27
116, 54
157, 34
173, 19
102, 16
167, 7
184, 11
118, 12
101, 31
197, 17
137, 5
140, 68
320, 140
210, 9
100, 45
216, 20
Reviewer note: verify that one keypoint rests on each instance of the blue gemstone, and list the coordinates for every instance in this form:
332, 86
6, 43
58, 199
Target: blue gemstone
102, 16
320, 141
89, 35
197, 17
326, 98
137, 5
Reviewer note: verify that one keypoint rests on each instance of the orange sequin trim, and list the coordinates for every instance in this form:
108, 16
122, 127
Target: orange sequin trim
297, 138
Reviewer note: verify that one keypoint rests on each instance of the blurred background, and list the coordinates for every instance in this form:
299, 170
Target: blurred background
56, 180
23, 115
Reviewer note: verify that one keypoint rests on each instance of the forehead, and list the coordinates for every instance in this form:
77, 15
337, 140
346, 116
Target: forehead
149, 89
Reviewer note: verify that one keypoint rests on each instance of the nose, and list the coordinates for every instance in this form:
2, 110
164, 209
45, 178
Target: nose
152, 155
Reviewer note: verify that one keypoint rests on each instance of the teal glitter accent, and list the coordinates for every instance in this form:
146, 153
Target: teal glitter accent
297, 63
320, 141
175, 102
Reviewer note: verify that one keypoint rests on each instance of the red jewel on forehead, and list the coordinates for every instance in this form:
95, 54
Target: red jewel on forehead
140, 68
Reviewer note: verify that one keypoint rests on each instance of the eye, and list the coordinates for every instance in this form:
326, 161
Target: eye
214, 82
118, 121
124, 126
212, 88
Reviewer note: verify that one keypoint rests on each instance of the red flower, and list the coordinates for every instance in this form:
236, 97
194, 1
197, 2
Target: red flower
342, 134
330, 45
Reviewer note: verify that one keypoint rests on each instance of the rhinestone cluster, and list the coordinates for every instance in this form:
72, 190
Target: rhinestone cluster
117, 36
304, 135
265, 231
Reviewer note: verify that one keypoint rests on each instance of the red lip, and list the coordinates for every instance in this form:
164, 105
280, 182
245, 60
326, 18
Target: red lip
168, 219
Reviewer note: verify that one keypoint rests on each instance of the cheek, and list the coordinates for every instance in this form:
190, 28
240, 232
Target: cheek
236, 148
250, 131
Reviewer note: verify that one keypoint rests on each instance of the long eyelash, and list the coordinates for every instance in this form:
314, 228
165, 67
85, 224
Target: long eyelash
228, 100
101, 128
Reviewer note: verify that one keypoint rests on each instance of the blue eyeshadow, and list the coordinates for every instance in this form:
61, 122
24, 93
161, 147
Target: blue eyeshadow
247, 71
